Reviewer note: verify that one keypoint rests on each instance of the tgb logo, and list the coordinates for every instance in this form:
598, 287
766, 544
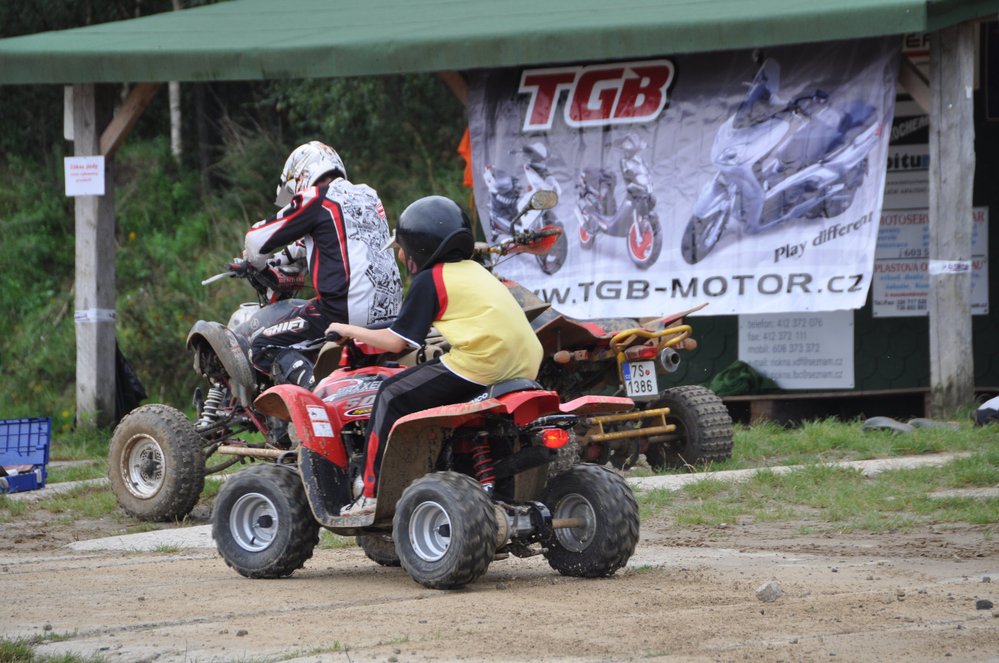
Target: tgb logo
621, 93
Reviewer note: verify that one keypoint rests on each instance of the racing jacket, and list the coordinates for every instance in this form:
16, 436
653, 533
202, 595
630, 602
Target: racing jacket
345, 231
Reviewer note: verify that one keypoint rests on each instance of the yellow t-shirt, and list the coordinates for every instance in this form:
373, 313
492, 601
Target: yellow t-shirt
490, 337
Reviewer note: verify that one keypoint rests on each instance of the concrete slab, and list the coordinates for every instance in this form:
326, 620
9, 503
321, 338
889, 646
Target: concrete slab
866, 467
177, 537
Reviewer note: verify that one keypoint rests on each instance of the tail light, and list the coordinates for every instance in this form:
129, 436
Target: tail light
553, 438
637, 352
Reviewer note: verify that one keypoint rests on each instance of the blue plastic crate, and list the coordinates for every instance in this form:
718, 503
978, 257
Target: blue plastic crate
24, 443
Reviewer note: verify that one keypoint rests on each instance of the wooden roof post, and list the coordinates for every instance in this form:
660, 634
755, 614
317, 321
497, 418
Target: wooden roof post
95, 276
952, 174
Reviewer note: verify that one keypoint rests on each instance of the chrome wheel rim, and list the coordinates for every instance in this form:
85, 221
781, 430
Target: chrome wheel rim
253, 522
145, 466
575, 539
430, 531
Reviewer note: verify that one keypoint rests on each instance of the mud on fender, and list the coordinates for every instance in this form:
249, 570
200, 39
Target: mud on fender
327, 486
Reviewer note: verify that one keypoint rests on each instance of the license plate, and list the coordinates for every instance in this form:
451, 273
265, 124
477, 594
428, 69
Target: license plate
640, 378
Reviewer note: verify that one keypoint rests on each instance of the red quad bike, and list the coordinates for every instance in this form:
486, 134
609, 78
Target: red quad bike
678, 427
460, 485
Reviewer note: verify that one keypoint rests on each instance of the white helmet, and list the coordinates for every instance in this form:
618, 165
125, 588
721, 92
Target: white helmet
306, 164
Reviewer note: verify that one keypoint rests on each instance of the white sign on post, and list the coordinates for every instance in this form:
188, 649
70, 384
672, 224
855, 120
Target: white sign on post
85, 176
800, 350
902, 267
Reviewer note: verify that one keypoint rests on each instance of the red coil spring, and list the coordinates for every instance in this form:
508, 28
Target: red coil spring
482, 463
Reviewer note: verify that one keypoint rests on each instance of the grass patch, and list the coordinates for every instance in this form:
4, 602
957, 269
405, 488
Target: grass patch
92, 501
80, 444
768, 444
11, 509
330, 541
89, 469
838, 498
22, 650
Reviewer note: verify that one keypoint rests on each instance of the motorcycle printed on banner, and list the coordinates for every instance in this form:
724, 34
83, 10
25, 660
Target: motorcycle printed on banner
763, 199
779, 162
634, 219
506, 198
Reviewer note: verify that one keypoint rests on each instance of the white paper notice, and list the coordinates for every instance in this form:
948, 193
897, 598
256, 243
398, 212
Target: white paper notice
84, 176
800, 350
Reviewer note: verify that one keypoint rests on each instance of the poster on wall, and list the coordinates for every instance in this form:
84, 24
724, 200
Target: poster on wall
800, 351
750, 180
901, 284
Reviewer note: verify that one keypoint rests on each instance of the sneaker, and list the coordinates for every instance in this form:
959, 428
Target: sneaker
362, 506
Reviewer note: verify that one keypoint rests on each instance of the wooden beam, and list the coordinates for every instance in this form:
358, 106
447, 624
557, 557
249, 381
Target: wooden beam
126, 117
95, 275
457, 83
952, 174
913, 81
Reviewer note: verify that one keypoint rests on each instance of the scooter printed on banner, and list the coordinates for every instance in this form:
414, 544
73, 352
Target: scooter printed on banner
634, 219
781, 162
506, 198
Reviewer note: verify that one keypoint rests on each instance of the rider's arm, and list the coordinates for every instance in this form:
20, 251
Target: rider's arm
290, 224
383, 339
419, 310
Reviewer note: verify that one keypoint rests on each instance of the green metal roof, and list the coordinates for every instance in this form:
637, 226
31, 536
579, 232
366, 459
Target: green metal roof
261, 39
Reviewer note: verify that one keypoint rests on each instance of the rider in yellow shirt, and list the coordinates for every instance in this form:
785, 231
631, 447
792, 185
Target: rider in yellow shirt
490, 337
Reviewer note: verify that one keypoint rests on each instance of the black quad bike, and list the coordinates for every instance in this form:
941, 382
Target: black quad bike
158, 457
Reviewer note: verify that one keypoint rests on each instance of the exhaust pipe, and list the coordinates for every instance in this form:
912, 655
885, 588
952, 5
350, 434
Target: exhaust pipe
669, 359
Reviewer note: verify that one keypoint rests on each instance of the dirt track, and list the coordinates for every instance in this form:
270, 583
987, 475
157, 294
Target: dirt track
686, 595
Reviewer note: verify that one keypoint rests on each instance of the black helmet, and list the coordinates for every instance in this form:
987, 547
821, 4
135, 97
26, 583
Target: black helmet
434, 229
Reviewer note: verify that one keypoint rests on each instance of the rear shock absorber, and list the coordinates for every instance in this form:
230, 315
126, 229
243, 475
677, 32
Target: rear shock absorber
211, 406
482, 462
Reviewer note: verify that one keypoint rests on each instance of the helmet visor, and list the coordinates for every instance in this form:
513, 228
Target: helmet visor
284, 194
391, 243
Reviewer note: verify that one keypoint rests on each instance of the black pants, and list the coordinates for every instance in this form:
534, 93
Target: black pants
418, 388
305, 323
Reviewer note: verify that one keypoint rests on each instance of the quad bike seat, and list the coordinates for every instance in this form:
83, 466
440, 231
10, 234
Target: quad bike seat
509, 386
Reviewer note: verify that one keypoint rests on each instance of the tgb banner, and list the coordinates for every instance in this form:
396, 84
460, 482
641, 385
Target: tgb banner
750, 180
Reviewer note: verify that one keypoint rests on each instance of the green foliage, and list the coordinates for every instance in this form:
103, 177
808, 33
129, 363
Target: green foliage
397, 133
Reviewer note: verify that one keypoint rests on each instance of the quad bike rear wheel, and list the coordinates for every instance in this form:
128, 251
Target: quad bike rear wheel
445, 530
380, 548
262, 524
155, 465
703, 429
602, 500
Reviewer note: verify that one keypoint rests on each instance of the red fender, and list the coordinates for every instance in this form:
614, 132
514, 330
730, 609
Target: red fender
317, 425
526, 406
597, 405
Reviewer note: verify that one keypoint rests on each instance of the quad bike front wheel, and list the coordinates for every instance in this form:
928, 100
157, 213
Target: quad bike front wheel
379, 548
703, 429
645, 240
156, 466
606, 508
262, 524
445, 530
